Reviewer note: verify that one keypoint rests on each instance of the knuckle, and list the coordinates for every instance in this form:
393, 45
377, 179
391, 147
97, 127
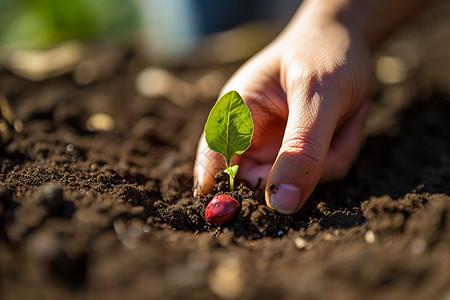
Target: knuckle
304, 147
301, 75
310, 69
329, 77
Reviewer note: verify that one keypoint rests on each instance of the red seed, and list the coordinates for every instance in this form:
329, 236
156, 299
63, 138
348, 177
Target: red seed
221, 209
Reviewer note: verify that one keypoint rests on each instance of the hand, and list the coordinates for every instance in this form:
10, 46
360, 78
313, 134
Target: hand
307, 93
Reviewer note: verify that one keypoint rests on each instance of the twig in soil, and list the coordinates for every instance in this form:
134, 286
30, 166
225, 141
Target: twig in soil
8, 121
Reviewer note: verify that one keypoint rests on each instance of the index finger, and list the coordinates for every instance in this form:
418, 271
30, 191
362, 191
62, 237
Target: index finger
207, 163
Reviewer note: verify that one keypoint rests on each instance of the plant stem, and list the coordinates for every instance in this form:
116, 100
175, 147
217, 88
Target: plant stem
228, 163
231, 183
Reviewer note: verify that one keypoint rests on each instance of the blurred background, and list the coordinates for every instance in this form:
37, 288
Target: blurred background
166, 43
181, 51
165, 32
170, 30
89, 40
45, 23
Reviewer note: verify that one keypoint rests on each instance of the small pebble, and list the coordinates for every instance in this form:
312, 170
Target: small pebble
70, 148
369, 237
100, 122
328, 237
18, 125
146, 228
280, 233
300, 243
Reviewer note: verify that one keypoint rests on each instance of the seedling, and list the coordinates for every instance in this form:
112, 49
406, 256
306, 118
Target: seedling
229, 130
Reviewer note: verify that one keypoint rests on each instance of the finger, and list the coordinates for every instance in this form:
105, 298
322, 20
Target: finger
206, 165
311, 123
256, 163
345, 146
254, 173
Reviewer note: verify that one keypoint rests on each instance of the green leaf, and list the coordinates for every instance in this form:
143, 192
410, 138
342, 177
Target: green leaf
232, 171
229, 128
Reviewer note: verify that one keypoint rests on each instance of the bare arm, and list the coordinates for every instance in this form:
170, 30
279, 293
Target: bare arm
374, 19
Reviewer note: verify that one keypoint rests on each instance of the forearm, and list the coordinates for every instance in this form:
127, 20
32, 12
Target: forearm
372, 20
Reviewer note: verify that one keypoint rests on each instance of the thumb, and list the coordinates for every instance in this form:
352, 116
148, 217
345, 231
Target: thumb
299, 164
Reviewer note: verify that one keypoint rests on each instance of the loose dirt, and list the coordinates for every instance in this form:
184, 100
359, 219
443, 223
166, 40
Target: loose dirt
95, 214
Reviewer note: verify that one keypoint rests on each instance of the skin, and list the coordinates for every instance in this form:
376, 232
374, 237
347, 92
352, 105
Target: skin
308, 93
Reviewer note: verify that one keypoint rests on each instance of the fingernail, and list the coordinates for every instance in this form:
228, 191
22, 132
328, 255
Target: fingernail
285, 198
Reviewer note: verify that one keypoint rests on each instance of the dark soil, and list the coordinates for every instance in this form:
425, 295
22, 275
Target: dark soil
110, 215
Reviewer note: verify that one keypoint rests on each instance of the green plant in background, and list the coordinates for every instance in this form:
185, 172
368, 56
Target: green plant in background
229, 130
43, 23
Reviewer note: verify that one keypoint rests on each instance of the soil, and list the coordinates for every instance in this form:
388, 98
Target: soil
110, 214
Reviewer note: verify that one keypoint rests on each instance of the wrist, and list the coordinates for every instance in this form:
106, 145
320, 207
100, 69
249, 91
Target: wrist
372, 21
321, 18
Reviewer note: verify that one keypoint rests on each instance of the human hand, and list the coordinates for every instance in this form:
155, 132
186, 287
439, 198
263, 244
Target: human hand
307, 93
